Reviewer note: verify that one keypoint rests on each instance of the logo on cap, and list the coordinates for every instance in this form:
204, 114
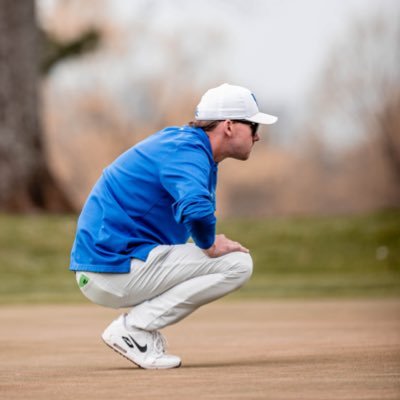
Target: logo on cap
254, 97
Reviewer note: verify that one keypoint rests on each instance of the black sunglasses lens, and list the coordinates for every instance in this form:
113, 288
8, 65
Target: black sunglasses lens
254, 128
253, 125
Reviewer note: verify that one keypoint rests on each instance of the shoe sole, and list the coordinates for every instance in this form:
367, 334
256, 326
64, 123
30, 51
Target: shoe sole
134, 362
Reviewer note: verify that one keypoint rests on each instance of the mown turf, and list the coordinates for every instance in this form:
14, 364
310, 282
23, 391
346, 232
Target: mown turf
293, 257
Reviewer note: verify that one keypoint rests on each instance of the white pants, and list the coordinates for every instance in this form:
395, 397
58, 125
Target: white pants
172, 283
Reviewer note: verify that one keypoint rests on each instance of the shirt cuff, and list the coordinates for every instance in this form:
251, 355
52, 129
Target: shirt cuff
202, 231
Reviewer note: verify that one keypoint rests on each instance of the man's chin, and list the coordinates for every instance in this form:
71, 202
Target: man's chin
245, 156
242, 157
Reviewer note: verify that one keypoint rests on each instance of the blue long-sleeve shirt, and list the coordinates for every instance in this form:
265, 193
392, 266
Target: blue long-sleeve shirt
161, 191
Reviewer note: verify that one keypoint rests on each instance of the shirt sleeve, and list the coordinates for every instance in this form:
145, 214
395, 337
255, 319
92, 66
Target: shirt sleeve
185, 174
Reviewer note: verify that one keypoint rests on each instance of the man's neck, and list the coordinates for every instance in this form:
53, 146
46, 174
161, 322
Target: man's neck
216, 146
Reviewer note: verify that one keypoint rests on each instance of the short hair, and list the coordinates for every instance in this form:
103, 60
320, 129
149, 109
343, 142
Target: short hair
205, 125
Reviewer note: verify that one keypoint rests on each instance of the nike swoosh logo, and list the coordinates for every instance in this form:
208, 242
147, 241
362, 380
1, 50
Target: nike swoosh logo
130, 339
142, 349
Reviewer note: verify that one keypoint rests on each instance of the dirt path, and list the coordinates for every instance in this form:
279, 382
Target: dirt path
230, 350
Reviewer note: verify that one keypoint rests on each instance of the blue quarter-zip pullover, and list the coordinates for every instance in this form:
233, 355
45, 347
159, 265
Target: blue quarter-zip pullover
161, 191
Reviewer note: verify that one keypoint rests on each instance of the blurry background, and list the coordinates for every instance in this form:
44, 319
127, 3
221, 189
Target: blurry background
112, 72
80, 82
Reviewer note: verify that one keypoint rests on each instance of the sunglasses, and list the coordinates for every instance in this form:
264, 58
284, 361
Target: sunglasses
253, 125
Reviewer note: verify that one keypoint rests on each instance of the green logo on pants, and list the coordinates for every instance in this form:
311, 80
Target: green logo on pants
83, 280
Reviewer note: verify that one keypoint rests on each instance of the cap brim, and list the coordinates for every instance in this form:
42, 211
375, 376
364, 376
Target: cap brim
261, 118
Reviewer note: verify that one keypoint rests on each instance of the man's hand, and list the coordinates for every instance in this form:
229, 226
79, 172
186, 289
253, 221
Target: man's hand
223, 245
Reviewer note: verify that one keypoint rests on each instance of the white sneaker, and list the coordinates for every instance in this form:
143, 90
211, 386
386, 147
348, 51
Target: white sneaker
144, 348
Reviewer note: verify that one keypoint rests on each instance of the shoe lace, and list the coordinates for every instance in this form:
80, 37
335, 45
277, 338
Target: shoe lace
160, 342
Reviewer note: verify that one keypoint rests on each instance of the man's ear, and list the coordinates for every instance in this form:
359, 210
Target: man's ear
228, 127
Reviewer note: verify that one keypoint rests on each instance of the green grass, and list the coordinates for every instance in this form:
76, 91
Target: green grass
293, 257
330, 256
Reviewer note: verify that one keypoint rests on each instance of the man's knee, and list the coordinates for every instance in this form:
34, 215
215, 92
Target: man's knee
241, 266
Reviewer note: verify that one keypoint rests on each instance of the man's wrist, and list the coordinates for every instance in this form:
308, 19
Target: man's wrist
210, 250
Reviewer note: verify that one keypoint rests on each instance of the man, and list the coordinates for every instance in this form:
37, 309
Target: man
131, 245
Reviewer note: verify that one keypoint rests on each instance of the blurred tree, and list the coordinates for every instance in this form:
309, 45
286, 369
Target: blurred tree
54, 51
360, 90
26, 181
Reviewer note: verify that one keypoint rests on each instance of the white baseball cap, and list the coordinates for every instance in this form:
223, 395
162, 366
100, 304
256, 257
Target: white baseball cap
231, 102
